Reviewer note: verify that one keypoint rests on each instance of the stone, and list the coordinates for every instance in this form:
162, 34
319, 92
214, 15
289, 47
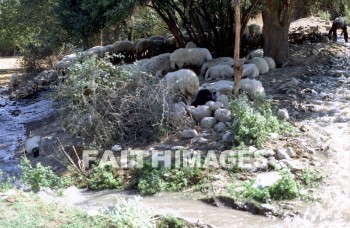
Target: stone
267, 208
208, 122
200, 112
290, 152
283, 114
293, 165
117, 148
222, 115
282, 154
252, 149
189, 133
264, 180
179, 109
261, 163
200, 140
228, 137
310, 150
175, 148
215, 105
274, 164
224, 100
249, 168
220, 127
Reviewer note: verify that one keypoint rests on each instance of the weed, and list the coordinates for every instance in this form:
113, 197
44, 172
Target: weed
311, 177
103, 178
168, 221
5, 185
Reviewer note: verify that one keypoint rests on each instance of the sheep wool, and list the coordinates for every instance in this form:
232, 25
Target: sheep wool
252, 87
14, 81
270, 62
189, 56
218, 61
183, 82
219, 71
261, 64
32, 145
250, 70
158, 65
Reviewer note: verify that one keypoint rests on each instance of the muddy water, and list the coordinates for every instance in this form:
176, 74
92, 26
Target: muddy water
13, 117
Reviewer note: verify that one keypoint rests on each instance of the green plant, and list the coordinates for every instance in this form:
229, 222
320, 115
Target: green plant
128, 213
5, 185
41, 176
255, 120
311, 177
101, 178
168, 221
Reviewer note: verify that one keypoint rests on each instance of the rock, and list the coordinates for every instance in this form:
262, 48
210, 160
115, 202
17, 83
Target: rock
228, 137
208, 122
249, 168
252, 149
190, 122
200, 112
178, 109
189, 133
293, 165
274, 164
216, 177
315, 52
222, 115
175, 148
117, 148
290, 152
310, 150
163, 147
264, 153
283, 114
267, 208
220, 127
264, 180
261, 163
282, 154
224, 100
200, 140
215, 105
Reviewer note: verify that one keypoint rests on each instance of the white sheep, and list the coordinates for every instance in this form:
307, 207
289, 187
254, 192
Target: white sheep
183, 82
189, 56
218, 61
260, 63
159, 64
32, 146
191, 45
255, 53
219, 71
270, 62
250, 70
14, 82
252, 87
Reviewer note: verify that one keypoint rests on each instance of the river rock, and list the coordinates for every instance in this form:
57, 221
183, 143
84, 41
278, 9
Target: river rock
293, 165
267, 208
220, 127
249, 168
290, 152
222, 115
208, 122
224, 100
189, 133
200, 112
215, 105
282, 154
200, 140
283, 114
261, 163
264, 180
228, 137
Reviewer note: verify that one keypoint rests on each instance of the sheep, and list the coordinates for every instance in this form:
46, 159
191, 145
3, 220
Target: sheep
183, 82
255, 53
219, 71
97, 50
14, 82
254, 30
202, 97
161, 38
124, 48
252, 87
189, 56
260, 63
270, 62
191, 45
159, 64
250, 70
213, 62
32, 146
144, 48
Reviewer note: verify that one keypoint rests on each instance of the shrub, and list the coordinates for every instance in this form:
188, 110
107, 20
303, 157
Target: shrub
41, 176
254, 121
311, 177
104, 103
5, 185
103, 178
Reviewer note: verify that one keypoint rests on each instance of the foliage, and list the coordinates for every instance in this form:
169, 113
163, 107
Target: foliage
41, 176
5, 185
128, 213
255, 120
29, 211
168, 221
311, 177
105, 103
103, 177
150, 180
285, 189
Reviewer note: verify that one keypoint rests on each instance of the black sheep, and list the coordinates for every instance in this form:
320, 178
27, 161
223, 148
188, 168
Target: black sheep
203, 96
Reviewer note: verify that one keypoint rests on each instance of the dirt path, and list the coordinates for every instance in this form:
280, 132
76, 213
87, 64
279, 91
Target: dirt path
8, 66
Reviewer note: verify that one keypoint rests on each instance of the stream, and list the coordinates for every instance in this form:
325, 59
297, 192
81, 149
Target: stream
330, 121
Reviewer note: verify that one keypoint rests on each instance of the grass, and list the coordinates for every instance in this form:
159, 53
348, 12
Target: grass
24, 210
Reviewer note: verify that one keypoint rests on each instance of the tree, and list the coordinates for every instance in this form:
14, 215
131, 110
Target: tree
238, 68
277, 17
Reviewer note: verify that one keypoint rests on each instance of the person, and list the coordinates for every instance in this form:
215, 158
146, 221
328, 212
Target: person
339, 23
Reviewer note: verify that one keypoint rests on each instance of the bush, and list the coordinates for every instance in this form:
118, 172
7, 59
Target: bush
4, 185
150, 180
103, 103
254, 121
103, 178
40, 176
311, 177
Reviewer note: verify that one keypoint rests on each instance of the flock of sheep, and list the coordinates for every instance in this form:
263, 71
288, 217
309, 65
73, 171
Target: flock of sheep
180, 67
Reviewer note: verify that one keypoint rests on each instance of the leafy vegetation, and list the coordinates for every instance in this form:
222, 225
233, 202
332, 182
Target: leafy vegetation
311, 178
286, 188
168, 221
149, 180
100, 178
41, 176
255, 120
5, 185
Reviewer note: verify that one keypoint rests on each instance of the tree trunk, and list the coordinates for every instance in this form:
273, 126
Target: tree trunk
276, 17
238, 68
